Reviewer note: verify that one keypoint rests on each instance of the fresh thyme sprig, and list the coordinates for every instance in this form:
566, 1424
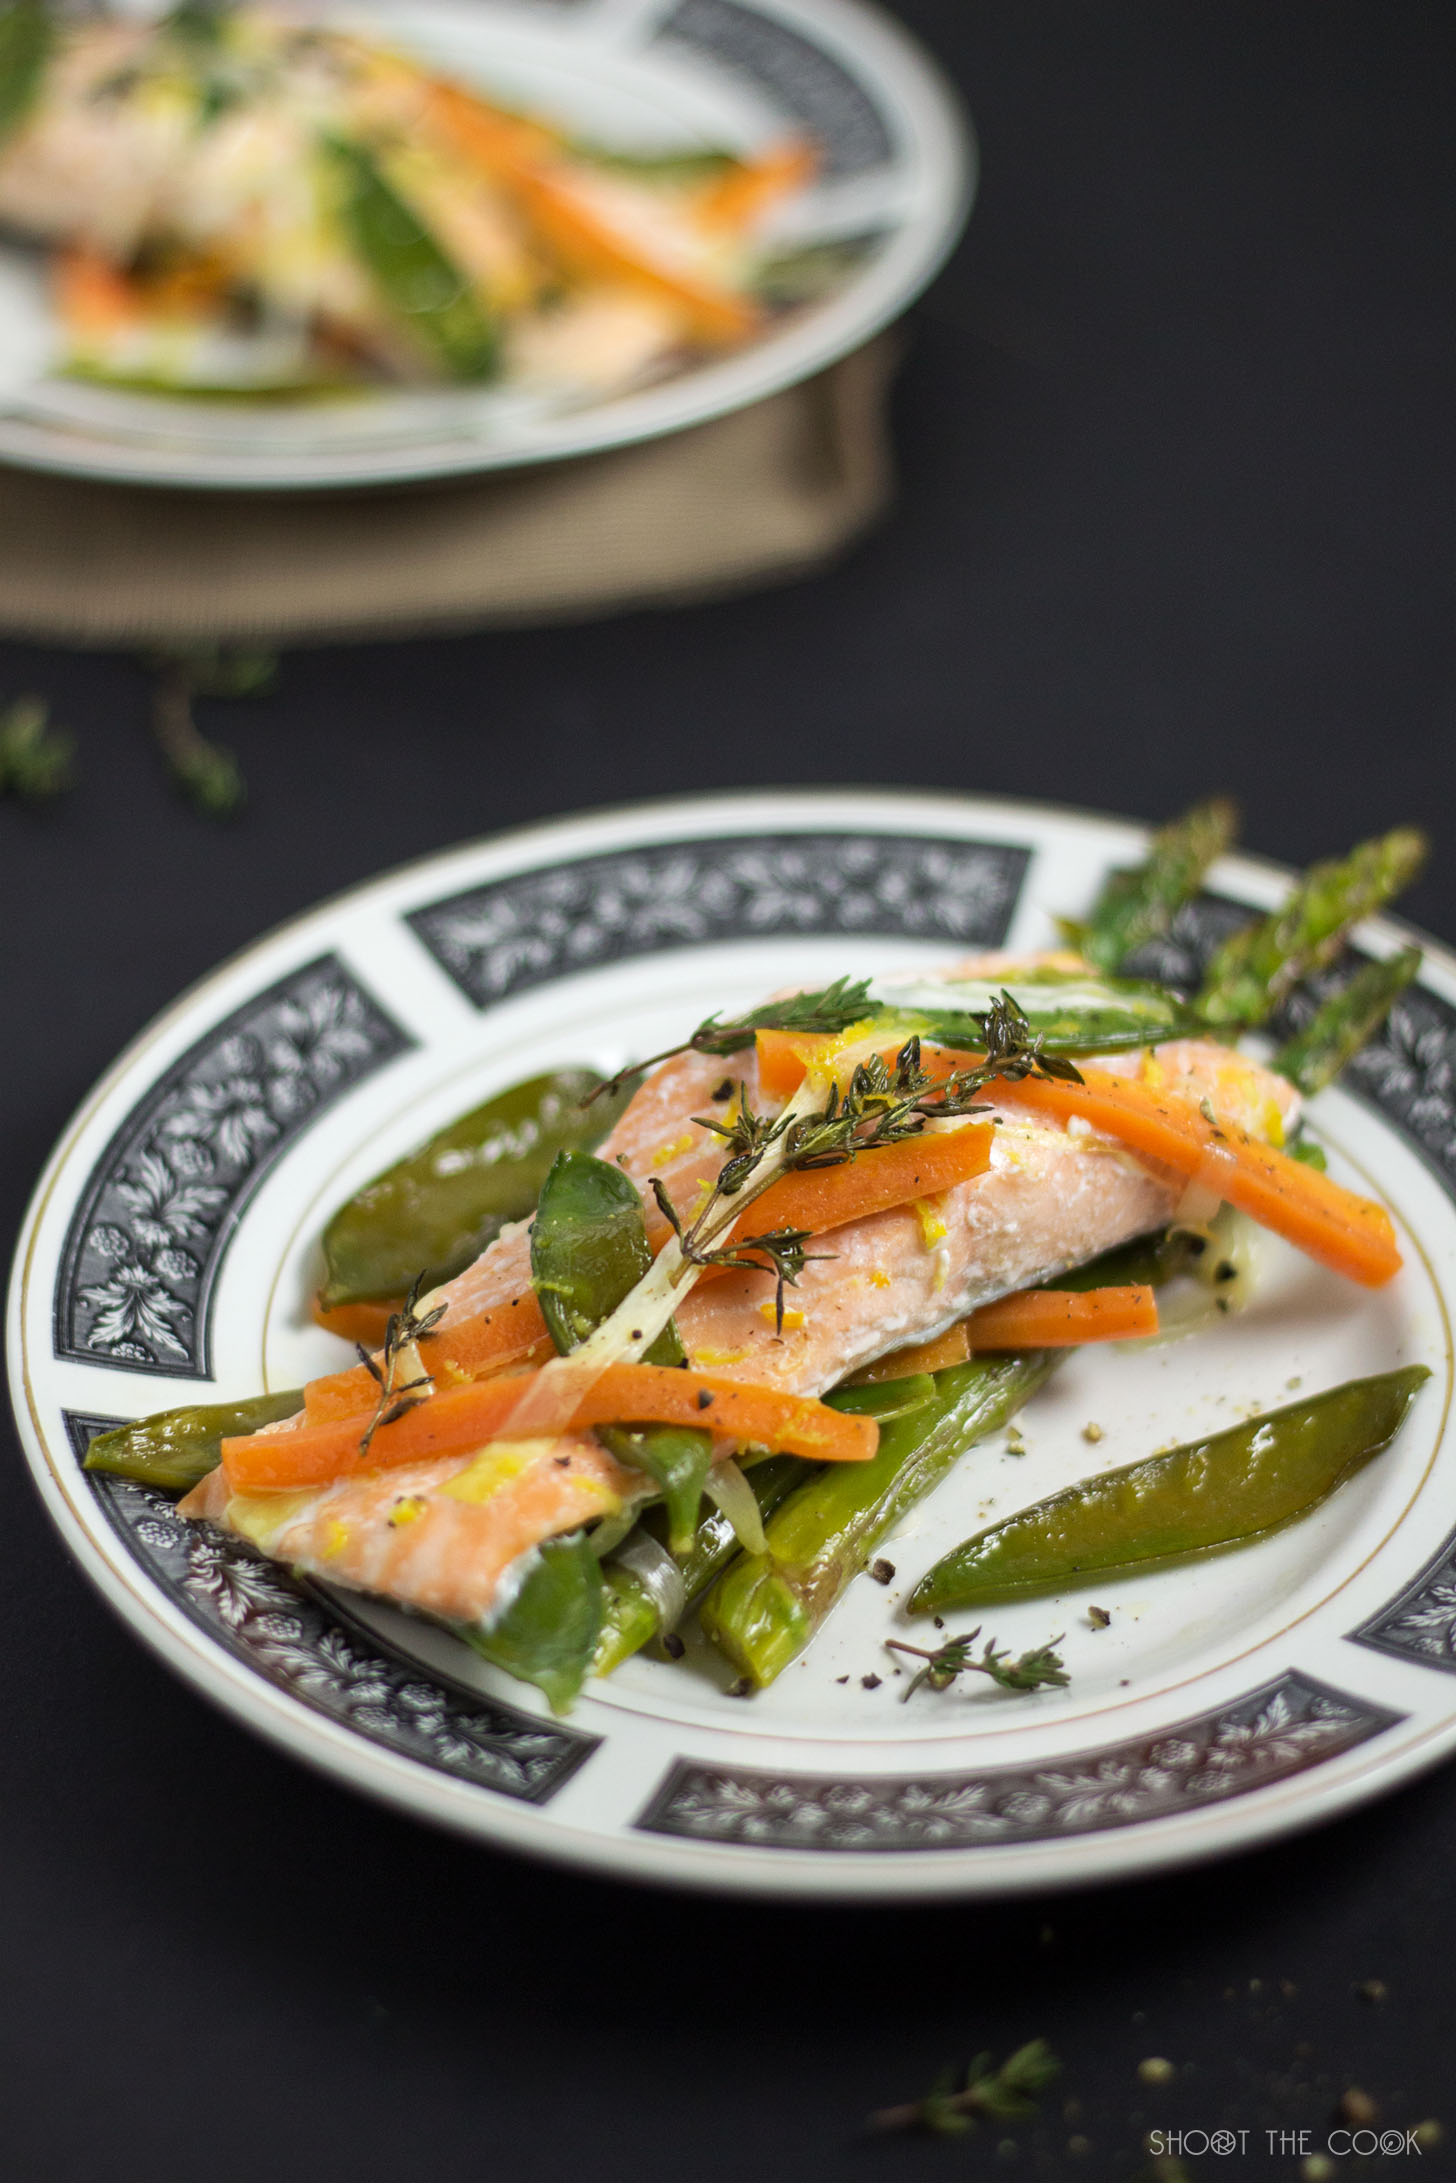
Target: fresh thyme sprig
1027, 1672
780, 1250
881, 1106
831, 1010
207, 774
403, 1331
35, 759
1005, 2094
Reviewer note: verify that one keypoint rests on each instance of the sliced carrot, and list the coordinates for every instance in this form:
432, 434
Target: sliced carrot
1032, 1319
465, 1418
1348, 1233
364, 1323
1058, 1319
511, 1334
93, 296
516, 154
951, 1348
819, 1199
741, 196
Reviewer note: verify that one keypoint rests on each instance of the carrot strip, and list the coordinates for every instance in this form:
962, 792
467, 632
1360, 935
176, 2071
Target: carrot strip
512, 1334
1058, 1319
364, 1323
1348, 1233
740, 197
465, 1418
1032, 1319
580, 231
819, 1199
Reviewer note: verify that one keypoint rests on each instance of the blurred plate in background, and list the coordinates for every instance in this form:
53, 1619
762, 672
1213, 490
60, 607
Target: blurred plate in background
896, 179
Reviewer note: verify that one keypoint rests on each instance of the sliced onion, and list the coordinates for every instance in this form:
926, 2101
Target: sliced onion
657, 1574
727, 1488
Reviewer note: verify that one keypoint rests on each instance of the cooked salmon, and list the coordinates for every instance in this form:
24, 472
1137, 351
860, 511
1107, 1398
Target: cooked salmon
447, 1536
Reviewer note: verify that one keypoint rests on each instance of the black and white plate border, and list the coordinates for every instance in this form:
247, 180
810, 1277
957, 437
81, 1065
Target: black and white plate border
320, 1014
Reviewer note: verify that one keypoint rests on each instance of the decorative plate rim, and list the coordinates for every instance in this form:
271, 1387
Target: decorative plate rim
1279, 1807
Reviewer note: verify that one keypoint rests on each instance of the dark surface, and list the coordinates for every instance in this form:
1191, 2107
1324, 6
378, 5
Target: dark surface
1176, 442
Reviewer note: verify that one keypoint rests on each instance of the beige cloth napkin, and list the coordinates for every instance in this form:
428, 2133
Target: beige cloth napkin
750, 498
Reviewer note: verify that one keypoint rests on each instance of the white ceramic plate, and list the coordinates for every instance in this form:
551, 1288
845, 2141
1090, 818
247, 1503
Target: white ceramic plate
897, 176
172, 1245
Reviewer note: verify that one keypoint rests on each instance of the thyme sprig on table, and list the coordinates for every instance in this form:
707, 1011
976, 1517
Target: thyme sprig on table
1025, 1672
403, 1331
35, 758
833, 1009
954, 2103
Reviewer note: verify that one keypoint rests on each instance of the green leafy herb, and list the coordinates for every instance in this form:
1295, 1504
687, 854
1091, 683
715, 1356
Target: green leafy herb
403, 1331
35, 759
207, 774
1026, 1672
956, 2100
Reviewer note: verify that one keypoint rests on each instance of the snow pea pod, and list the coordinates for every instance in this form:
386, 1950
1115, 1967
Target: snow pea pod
27, 39
439, 1208
548, 1634
176, 1449
415, 278
1201, 1499
1071, 1012
767, 1607
588, 1250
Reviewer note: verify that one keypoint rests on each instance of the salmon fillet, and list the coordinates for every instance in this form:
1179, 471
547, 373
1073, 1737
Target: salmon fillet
451, 1536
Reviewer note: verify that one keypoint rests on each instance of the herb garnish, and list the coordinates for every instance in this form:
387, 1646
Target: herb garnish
832, 1010
403, 1331
35, 759
207, 774
1027, 1672
1005, 2094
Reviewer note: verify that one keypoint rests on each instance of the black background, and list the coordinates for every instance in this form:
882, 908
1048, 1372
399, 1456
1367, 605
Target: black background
1176, 439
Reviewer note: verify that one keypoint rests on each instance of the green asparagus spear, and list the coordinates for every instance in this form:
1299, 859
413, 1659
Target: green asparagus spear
1254, 969
176, 1449
767, 1607
1139, 904
632, 1616
1341, 1025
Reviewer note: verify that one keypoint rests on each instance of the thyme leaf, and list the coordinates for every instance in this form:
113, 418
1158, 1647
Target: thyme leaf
1025, 1672
397, 1397
778, 1250
954, 2102
35, 759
